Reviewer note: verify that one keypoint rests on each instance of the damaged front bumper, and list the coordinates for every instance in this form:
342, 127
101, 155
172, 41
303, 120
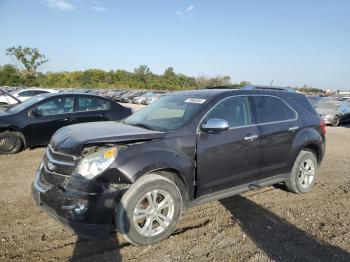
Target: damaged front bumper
89, 215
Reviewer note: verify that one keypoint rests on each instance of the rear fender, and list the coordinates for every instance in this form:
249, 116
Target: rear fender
307, 137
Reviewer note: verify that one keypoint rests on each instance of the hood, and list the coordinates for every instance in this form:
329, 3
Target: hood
71, 139
327, 111
3, 114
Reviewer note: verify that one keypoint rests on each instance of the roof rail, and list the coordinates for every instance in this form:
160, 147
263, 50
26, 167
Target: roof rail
275, 88
222, 87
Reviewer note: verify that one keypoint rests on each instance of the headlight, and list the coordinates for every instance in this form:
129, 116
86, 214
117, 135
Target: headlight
94, 164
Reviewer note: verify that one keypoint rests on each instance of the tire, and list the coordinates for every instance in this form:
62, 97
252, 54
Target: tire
336, 120
10, 143
142, 193
304, 173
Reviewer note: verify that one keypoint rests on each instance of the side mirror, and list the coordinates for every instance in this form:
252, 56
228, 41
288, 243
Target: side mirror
215, 124
35, 112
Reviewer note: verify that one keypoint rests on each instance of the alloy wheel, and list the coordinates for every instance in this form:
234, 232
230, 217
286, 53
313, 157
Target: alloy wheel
153, 213
306, 173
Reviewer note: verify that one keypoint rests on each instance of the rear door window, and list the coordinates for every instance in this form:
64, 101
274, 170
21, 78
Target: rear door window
272, 109
92, 104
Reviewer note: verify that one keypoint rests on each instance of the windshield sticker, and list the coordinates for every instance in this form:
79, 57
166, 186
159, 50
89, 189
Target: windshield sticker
195, 100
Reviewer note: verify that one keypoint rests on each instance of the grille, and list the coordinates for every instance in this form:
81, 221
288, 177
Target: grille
56, 162
60, 157
52, 178
59, 168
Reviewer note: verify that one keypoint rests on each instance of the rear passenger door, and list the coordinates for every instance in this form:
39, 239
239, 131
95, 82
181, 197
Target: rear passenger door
91, 109
278, 124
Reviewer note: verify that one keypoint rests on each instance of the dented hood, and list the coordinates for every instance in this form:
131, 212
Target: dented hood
71, 139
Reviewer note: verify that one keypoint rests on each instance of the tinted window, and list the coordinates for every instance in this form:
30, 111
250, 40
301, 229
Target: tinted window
92, 104
271, 109
38, 92
55, 106
24, 93
234, 110
305, 104
27, 103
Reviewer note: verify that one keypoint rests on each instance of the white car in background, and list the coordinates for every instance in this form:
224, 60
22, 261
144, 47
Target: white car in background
24, 94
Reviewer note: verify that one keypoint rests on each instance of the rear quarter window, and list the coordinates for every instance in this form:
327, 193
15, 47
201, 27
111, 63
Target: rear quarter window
302, 103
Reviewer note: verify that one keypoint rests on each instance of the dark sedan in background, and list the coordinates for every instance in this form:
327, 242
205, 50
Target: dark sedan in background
33, 122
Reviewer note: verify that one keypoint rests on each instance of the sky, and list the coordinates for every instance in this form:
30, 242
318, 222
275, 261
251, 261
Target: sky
292, 42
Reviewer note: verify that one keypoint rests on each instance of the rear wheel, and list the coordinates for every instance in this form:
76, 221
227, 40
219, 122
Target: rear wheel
10, 143
149, 211
303, 176
336, 120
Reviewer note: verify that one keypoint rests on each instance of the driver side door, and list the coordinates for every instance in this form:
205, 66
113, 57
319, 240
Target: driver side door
228, 158
49, 116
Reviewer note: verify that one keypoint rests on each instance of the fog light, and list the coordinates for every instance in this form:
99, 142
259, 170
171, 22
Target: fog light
76, 209
80, 208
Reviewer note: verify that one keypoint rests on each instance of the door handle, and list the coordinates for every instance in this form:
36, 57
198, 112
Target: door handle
68, 118
293, 128
250, 138
101, 115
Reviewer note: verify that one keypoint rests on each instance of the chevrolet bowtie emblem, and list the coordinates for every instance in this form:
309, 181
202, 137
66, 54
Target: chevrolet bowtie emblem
51, 167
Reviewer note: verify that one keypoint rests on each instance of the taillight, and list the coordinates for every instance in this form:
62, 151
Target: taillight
323, 126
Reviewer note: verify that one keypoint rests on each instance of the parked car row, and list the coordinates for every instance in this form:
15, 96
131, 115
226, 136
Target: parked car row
123, 95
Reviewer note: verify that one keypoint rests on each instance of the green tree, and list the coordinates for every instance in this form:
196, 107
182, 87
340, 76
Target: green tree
143, 74
30, 58
10, 76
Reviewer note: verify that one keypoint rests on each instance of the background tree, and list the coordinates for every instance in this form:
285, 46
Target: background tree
10, 76
30, 58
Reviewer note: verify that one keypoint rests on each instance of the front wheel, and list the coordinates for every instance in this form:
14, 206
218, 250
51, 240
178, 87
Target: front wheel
10, 143
149, 211
303, 176
336, 120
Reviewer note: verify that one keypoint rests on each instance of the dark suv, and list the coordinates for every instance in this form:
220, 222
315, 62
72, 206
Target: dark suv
185, 149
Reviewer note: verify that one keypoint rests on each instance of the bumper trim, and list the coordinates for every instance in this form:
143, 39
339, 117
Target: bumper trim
84, 230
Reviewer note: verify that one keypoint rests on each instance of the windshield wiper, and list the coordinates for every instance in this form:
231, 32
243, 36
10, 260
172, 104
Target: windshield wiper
142, 125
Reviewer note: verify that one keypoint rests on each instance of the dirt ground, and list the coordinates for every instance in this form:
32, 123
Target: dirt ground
266, 225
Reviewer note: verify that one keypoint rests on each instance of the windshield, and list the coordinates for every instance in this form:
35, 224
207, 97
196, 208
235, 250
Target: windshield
328, 106
166, 114
27, 103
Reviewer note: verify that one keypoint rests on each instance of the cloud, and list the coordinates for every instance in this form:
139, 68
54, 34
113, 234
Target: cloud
98, 8
62, 5
187, 10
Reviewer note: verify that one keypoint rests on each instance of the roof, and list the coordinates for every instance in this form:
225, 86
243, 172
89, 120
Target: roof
207, 93
71, 93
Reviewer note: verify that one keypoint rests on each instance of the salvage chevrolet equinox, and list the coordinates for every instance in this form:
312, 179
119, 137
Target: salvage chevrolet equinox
139, 175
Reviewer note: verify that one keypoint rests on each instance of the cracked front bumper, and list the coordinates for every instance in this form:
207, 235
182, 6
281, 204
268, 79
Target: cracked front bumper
96, 219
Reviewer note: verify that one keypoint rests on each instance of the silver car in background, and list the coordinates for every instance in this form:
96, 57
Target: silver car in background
334, 112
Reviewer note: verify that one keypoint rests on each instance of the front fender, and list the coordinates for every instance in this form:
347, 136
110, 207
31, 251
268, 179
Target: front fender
10, 128
145, 163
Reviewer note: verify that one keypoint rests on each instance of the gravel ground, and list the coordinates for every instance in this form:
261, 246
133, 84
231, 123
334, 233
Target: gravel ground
266, 225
